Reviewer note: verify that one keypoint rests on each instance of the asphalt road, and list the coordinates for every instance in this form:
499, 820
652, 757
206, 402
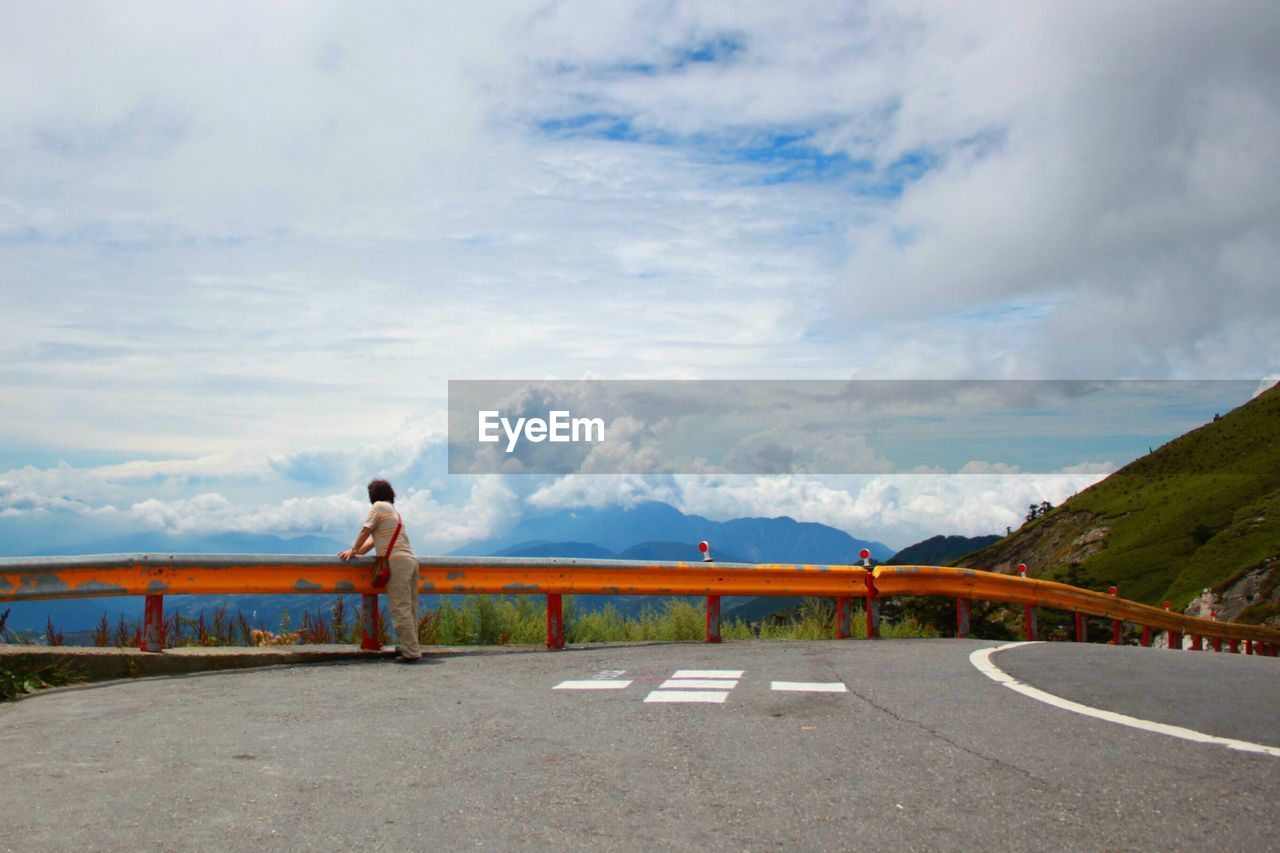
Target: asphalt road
922, 751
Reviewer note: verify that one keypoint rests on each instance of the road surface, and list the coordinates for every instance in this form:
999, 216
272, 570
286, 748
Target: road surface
796, 745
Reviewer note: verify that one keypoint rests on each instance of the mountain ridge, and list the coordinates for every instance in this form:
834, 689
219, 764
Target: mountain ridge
1200, 512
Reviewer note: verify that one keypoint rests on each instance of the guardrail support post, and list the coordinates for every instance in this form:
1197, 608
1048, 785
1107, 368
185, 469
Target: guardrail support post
1146, 636
153, 624
1196, 644
1248, 647
1115, 623
873, 608
1081, 628
1030, 622
1234, 646
713, 618
369, 623
1175, 640
962, 618
555, 621
1217, 644
844, 617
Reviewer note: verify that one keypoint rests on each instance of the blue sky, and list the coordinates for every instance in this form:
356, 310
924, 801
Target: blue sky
243, 248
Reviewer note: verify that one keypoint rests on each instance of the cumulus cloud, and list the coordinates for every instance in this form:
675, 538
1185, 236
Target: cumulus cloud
250, 265
435, 526
899, 509
227, 240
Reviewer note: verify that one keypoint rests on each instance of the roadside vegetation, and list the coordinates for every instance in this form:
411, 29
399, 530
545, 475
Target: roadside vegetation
27, 675
1199, 512
480, 620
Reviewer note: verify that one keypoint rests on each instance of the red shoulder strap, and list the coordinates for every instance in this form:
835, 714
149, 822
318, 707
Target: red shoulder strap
394, 536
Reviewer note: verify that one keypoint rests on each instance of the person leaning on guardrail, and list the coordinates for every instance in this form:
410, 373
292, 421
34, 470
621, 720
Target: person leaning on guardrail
380, 528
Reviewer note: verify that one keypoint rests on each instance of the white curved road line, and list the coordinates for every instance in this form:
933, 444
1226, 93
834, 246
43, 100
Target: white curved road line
982, 660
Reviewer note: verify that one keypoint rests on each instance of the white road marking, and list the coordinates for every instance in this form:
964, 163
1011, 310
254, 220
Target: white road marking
982, 660
810, 686
708, 673
700, 683
593, 684
717, 696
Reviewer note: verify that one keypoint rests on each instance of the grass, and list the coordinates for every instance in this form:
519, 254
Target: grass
24, 675
480, 620
1193, 514
1196, 511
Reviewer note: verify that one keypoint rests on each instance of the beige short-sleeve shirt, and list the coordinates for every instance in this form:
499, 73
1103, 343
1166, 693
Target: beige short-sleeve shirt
382, 523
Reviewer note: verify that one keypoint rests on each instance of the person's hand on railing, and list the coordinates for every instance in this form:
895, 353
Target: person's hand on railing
347, 554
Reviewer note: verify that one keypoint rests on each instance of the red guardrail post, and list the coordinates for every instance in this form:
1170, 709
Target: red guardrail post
1234, 646
153, 624
962, 618
1029, 611
1146, 636
844, 617
555, 621
713, 601
713, 618
873, 597
1196, 644
369, 623
1115, 623
1174, 638
1081, 628
1248, 647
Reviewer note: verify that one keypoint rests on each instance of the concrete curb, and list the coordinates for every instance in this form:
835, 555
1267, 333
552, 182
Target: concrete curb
111, 663
100, 664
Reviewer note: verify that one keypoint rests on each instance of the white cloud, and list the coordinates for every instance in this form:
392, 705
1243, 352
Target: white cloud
235, 259
899, 509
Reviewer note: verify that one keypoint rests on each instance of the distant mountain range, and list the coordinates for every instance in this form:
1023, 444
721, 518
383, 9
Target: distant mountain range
159, 542
940, 550
615, 529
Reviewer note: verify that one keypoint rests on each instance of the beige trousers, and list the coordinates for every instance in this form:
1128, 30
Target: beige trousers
402, 602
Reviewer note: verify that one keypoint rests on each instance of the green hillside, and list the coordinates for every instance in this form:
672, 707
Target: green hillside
1199, 512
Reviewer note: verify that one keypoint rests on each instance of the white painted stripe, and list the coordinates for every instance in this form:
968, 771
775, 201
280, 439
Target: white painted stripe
707, 673
687, 696
700, 683
810, 686
593, 684
982, 660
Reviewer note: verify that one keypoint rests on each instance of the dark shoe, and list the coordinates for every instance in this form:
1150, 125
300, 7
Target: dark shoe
403, 659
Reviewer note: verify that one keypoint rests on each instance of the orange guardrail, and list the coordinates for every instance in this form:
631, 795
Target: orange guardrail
255, 574
157, 575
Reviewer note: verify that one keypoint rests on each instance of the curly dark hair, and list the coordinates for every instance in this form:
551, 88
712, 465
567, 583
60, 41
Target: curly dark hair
380, 490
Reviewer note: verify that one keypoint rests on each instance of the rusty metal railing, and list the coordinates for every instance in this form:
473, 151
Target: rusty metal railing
157, 575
